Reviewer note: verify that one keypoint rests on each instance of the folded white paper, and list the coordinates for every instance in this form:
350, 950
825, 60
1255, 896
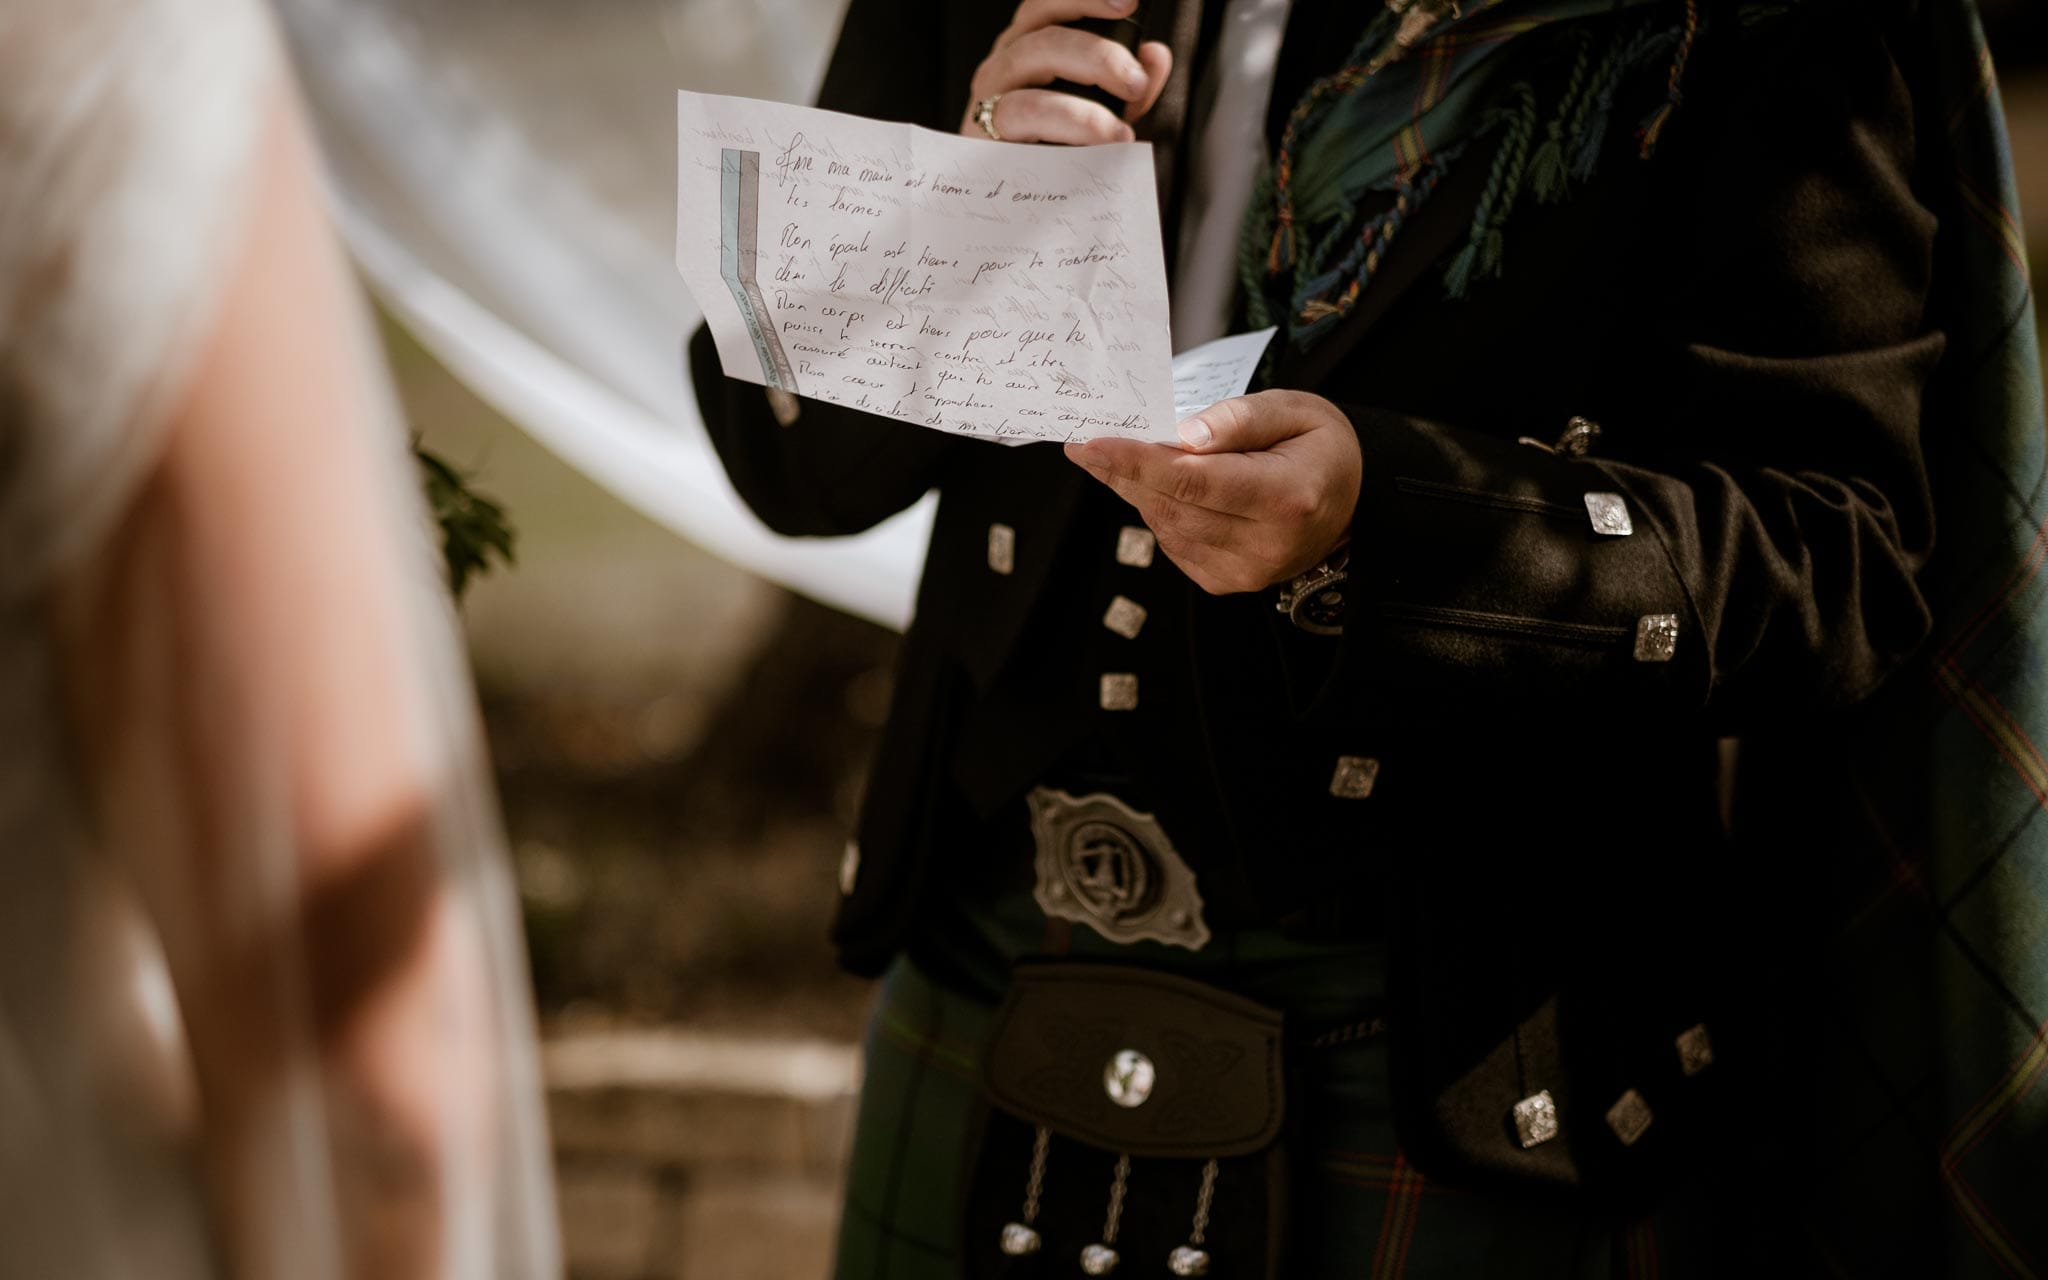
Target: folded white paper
1216, 370
1011, 292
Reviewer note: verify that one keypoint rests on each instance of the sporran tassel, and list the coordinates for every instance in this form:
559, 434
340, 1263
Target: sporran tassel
1020, 1239
1191, 1259
1101, 1259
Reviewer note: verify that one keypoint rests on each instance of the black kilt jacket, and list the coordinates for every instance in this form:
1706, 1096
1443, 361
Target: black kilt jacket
1574, 846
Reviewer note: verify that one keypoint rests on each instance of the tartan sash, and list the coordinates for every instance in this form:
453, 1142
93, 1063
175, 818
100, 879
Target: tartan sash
1941, 949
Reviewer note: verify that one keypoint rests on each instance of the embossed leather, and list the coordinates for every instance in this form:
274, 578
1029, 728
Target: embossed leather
1218, 1090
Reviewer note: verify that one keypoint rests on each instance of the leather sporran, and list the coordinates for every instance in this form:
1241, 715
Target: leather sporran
1135, 1128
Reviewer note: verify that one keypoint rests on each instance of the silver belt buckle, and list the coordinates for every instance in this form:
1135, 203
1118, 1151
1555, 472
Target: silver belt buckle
1103, 864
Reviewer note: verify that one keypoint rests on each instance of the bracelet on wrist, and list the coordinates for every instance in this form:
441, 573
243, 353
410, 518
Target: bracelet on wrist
1314, 600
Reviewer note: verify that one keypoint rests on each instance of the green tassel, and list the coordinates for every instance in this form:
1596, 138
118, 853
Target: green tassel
1458, 279
1493, 253
1548, 177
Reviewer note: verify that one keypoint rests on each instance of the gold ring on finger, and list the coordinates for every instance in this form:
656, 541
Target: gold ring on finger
985, 116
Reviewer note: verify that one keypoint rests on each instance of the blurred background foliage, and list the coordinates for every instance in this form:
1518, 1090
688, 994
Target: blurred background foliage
678, 744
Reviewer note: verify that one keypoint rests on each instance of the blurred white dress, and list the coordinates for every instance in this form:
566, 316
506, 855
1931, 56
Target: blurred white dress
244, 825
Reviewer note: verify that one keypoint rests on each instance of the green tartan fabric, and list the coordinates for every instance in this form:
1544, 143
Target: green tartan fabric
920, 1104
1426, 78
1940, 952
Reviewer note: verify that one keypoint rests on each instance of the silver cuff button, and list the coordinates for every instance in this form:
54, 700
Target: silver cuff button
1609, 514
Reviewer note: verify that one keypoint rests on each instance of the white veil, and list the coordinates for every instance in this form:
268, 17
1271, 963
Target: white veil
263, 1004
505, 171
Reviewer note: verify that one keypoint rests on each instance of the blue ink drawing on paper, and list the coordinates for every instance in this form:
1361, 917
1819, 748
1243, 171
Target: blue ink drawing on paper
739, 232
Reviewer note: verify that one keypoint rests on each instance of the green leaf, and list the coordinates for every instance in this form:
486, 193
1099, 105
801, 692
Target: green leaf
473, 528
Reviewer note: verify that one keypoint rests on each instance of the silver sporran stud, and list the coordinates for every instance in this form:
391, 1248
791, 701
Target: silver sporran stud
1128, 1078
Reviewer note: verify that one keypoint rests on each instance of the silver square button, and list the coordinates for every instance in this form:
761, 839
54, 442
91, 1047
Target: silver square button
1002, 548
1657, 637
1609, 514
1695, 1050
1119, 691
1134, 546
1536, 1119
1629, 1117
1355, 777
1125, 617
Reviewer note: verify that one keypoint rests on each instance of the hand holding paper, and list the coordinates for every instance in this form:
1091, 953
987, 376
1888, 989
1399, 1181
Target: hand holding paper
1265, 486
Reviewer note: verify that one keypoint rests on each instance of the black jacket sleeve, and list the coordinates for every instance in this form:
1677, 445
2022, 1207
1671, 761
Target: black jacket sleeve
1766, 450
835, 470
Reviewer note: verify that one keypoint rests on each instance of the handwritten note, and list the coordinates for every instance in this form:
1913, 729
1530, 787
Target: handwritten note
1010, 292
1213, 371
1217, 370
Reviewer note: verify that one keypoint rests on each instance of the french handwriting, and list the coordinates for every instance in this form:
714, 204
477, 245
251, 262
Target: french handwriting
997, 291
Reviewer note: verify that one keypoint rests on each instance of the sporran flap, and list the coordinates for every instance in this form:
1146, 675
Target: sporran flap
1130, 1060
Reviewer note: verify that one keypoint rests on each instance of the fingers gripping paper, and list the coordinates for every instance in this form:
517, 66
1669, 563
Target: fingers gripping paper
981, 288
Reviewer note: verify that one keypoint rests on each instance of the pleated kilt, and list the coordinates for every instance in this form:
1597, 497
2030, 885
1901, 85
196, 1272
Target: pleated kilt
1358, 1209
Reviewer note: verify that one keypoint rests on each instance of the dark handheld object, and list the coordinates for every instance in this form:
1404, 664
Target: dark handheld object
1124, 31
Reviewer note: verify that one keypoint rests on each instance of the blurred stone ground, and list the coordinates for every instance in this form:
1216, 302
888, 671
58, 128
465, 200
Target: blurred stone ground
687, 1156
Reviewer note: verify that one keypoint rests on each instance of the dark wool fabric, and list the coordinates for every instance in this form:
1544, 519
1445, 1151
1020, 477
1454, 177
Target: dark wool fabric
1548, 859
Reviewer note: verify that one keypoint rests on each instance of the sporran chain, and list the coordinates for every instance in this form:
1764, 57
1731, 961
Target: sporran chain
1203, 1199
1034, 1186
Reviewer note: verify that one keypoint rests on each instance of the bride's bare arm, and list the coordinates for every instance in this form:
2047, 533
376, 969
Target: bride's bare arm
245, 660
